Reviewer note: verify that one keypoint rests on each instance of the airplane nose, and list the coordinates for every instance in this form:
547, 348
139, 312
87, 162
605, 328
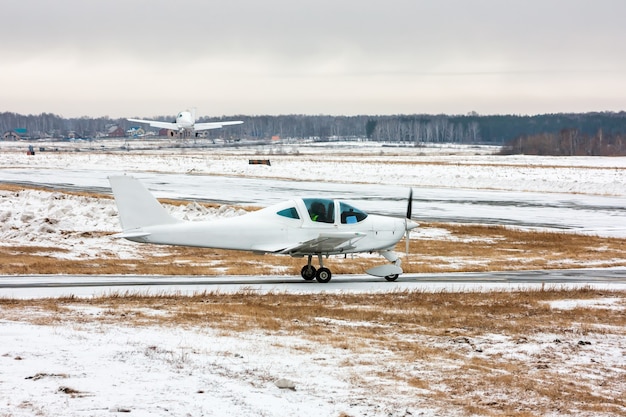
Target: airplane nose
410, 224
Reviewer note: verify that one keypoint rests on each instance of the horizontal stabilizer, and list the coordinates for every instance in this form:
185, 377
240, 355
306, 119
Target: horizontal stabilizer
385, 270
130, 235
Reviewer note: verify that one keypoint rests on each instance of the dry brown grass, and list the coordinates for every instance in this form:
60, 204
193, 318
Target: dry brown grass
440, 344
478, 248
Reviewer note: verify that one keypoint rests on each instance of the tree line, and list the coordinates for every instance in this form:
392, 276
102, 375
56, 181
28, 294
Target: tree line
568, 142
415, 129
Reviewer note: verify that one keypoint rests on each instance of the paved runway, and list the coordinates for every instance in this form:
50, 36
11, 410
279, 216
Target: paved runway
44, 286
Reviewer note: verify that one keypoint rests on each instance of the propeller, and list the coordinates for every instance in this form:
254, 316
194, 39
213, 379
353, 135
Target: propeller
409, 212
409, 208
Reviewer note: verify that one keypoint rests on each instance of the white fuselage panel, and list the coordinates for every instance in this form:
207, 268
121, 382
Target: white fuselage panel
266, 231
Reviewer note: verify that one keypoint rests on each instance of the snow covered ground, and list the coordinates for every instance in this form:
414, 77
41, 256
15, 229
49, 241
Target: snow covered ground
89, 360
447, 167
78, 366
586, 195
95, 370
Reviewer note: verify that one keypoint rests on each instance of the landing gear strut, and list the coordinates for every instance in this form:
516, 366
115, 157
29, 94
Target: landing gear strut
309, 272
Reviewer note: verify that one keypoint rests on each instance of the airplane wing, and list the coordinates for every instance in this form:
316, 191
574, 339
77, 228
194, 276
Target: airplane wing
156, 123
215, 125
325, 243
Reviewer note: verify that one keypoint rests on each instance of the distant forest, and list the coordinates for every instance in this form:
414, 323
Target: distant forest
568, 142
576, 133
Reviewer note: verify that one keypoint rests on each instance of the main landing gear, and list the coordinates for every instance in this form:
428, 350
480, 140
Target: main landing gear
309, 272
390, 271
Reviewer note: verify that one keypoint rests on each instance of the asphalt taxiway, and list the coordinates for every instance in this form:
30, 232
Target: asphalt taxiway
47, 286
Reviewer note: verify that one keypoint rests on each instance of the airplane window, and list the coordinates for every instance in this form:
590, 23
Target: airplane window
291, 213
320, 209
351, 215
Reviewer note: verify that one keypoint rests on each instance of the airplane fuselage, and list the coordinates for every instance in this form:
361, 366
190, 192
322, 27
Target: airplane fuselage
185, 121
266, 231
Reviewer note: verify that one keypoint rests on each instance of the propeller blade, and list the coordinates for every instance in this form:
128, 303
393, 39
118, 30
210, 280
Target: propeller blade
406, 240
409, 208
409, 212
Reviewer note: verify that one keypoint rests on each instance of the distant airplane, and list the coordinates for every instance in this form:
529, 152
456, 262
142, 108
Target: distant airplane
186, 121
299, 227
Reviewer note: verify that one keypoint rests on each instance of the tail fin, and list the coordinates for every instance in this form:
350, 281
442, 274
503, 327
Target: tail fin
136, 205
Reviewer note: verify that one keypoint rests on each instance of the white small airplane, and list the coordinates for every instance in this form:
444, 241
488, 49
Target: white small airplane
186, 121
300, 227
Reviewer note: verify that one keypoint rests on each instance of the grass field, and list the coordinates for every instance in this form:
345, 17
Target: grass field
511, 353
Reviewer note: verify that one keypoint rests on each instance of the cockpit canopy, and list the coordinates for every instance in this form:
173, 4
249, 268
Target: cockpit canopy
323, 210
350, 215
320, 209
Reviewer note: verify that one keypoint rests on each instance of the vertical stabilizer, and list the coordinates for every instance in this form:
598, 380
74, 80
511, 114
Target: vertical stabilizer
136, 205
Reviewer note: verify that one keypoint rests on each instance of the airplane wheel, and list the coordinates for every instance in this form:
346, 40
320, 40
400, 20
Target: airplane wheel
391, 278
308, 272
323, 275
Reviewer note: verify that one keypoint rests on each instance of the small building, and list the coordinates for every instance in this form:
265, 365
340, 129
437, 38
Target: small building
168, 133
11, 135
116, 132
135, 132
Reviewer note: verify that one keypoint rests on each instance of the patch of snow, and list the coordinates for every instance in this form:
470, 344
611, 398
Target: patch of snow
617, 304
188, 372
77, 227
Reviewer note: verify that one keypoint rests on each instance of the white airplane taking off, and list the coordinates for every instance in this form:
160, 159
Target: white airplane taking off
299, 227
186, 121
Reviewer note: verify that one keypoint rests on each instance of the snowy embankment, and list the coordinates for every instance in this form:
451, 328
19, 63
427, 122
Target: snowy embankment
80, 226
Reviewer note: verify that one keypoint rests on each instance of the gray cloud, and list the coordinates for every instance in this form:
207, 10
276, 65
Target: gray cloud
281, 56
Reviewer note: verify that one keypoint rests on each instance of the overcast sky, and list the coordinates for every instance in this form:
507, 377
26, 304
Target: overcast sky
125, 58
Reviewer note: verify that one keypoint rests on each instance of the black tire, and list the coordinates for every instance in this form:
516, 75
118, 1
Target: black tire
323, 275
308, 272
391, 278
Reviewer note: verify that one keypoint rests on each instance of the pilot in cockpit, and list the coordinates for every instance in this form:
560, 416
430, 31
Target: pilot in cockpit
318, 212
